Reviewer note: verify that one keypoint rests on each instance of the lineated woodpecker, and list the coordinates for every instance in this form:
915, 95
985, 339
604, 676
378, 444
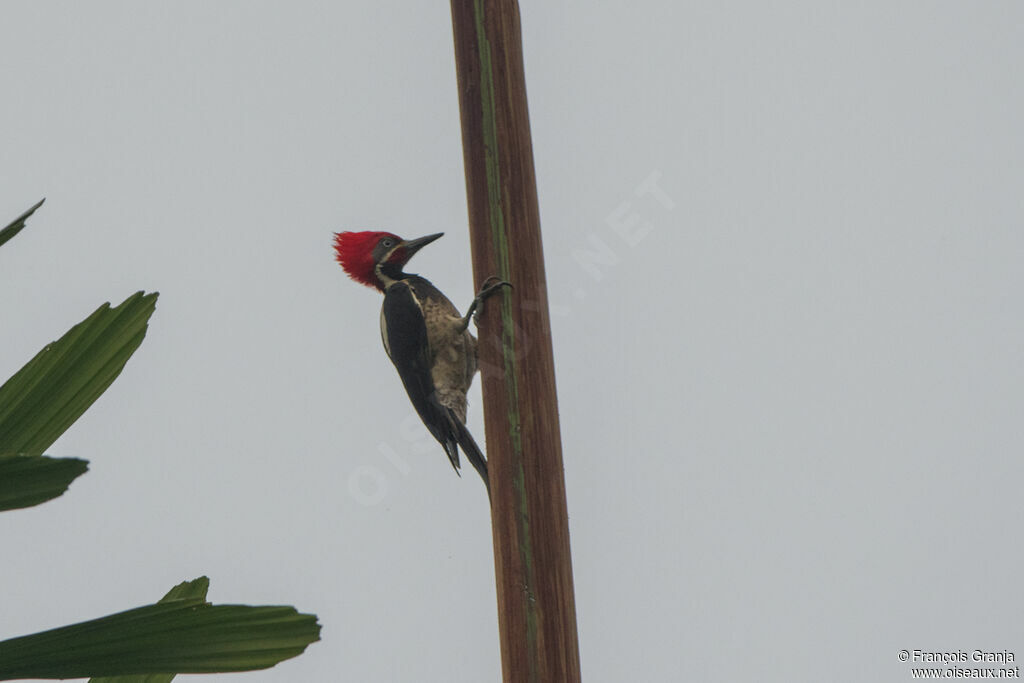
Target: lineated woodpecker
423, 334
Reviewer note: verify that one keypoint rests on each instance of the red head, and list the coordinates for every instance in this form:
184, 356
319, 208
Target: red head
374, 258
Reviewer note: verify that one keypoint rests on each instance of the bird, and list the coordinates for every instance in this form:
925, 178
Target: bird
424, 335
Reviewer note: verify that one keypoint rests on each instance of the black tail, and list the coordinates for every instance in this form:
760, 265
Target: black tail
472, 451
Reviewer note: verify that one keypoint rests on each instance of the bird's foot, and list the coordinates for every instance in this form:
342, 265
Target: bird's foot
489, 287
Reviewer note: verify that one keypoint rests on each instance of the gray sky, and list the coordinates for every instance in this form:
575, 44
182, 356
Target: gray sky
791, 392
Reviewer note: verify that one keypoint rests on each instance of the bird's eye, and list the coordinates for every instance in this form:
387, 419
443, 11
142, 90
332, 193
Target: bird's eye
387, 243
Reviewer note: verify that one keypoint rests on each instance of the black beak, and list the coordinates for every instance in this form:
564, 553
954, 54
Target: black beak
412, 246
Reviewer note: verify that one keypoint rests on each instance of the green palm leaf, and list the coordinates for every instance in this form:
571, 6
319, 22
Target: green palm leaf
18, 223
27, 480
187, 589
47, 395
181, 635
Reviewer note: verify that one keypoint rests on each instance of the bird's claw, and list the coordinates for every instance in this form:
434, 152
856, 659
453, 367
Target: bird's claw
493, 281
489, 287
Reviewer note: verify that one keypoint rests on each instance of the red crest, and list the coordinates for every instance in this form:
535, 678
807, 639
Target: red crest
354, 251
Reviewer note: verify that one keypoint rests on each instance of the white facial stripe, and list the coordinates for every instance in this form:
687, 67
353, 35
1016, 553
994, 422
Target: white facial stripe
381, 277
384, 279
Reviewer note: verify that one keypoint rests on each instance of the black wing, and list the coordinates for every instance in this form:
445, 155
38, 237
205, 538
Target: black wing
405, 340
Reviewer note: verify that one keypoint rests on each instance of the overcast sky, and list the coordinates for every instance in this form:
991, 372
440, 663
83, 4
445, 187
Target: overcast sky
790, 395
